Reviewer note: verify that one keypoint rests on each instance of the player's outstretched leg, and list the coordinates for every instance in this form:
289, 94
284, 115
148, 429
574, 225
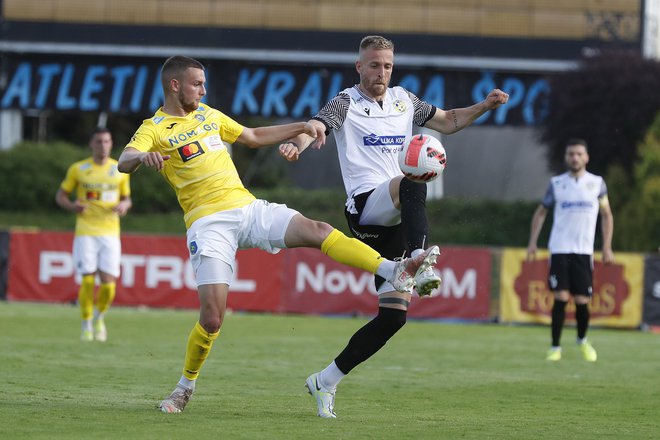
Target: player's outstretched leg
357, 254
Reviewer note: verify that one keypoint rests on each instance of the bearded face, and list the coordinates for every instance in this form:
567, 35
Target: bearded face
375, 69
191, 89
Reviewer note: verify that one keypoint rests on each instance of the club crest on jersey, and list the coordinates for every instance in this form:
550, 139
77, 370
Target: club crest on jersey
399, 106
190, 151
193, 248
200, 118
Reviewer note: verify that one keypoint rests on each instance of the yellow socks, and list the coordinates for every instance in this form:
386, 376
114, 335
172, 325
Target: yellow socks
106, 296
351, 252
86, 297
199, 346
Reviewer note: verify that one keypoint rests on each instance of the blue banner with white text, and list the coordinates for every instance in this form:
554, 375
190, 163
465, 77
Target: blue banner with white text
242, 89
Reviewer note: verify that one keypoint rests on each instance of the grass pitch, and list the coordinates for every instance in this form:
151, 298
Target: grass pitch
431, 381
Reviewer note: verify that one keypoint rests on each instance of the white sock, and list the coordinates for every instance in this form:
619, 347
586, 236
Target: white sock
187, 383
87, 324
98, 316
581, 340
386, 269
331, 376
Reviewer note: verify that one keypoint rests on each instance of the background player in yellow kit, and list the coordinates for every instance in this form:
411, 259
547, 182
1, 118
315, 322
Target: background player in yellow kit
102, 195
184, 142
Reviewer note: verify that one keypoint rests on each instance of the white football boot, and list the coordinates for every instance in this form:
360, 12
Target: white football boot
427, 281
177, 401
100, 332
406, 271
325, 399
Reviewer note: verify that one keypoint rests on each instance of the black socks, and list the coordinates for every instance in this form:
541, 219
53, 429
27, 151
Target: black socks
370, 338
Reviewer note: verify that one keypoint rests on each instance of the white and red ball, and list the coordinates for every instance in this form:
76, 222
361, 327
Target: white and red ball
423, 158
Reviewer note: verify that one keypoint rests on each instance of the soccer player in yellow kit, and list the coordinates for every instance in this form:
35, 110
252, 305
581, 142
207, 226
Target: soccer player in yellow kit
102, 195
184, 142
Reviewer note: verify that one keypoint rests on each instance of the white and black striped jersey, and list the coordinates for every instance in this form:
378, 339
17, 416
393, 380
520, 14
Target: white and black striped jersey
576, 204
369, 134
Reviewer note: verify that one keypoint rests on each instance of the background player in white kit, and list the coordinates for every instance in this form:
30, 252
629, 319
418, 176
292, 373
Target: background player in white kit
371, 122
577, 197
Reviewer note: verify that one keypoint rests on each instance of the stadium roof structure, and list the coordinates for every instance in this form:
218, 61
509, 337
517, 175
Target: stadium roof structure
296, 46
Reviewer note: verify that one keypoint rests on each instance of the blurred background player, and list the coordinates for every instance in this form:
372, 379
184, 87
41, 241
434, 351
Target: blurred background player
384, 210
577, 197
101, 196
184, 142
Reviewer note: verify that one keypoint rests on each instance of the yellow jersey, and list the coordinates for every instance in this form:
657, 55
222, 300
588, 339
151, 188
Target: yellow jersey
200, 169
100, 187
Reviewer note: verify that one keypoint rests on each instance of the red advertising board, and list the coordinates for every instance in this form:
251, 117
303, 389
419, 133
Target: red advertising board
156, 272
316, 284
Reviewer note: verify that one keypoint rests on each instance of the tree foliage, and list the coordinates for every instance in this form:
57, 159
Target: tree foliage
637, 205
610, 100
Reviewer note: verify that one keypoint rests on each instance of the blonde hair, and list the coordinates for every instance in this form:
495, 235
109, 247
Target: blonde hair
376, 42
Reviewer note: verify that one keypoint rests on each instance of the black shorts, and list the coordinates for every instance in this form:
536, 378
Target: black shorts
388, 241
572, 272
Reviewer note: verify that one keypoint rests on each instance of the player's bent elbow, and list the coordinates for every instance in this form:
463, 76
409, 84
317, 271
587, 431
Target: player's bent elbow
123, 166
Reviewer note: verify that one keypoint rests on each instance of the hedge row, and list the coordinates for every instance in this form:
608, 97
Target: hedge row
31, 173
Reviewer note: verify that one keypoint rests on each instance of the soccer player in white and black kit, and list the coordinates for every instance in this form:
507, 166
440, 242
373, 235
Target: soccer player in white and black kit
371, 122
577, 197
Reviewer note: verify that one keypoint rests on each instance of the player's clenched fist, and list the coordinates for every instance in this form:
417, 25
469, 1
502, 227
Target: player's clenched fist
289, 151
496, 97
154, 160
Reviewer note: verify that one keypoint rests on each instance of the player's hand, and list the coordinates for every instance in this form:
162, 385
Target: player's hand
317, 131
496, 98
153, 159
289, 151
531, 253
608, 256
78, 207
121, 208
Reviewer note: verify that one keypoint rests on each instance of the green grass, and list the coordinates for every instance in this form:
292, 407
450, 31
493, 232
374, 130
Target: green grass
432, 381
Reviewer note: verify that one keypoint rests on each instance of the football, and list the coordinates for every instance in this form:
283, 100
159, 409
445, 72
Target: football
423, 158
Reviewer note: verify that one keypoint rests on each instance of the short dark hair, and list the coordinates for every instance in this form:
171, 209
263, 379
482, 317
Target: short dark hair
99, 130
577, 141
174, 66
